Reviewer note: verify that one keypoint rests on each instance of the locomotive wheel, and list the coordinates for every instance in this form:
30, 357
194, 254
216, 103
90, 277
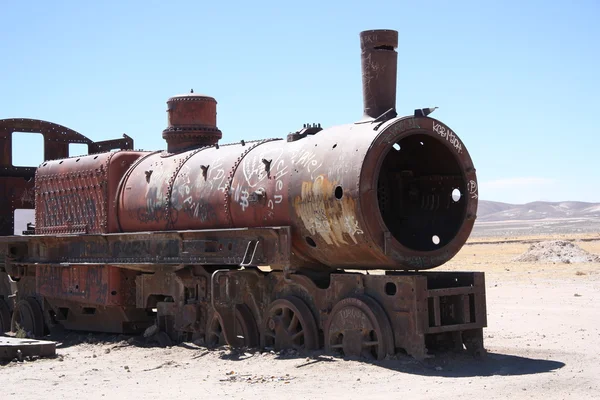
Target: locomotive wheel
4, 317
246, 331
28, 316
290, 325
359, 327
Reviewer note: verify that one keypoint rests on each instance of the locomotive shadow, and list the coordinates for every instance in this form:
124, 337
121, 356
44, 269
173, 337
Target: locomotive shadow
457, 365
450, 365
492, 364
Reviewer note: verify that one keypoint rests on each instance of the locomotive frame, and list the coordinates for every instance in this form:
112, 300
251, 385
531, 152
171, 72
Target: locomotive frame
206, 285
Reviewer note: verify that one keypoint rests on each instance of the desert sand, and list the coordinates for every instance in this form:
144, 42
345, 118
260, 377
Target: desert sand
543, 340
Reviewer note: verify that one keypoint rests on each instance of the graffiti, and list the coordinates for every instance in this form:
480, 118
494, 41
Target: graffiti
244, 200
399, 127
254, 169
341, 167
446, 133
280, 170
154, 210
472, 188
216, 175
200, 210
333, 220
308, 161
352, 227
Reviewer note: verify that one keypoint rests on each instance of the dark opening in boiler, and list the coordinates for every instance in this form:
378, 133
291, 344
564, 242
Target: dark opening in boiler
310, 241
415, 193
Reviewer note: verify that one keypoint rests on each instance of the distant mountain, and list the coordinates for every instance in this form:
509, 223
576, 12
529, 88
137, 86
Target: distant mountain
488, 211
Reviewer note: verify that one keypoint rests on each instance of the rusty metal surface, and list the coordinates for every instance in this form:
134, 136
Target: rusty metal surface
326, 187
372, 195
357, 327
379, 62
99, 285
192, 122
360, 315
17, 183
147, 251
76, 195
290, 325
245, 332
81, 316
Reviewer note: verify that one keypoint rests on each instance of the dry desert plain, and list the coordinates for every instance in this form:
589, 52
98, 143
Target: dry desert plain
543, 339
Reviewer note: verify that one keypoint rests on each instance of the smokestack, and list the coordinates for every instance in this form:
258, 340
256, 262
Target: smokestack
192, 122
379, 62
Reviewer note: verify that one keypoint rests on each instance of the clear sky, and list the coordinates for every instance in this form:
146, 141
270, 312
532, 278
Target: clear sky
516, 80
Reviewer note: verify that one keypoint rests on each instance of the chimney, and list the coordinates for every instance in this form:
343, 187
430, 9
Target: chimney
192, 122
379, 62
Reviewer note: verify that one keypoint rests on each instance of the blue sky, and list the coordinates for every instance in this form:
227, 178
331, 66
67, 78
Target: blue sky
516, 80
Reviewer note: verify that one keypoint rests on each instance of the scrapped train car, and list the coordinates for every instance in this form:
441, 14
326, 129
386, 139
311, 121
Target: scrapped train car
257, 243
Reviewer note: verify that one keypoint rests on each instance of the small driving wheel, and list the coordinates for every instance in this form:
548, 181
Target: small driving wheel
246, 331
359, 327
28, 316
290, 325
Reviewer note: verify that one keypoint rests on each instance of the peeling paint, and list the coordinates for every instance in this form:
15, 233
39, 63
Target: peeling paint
334, 220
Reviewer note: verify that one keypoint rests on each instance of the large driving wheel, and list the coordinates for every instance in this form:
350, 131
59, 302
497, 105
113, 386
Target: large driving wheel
246, 331
28, 316
290, 325
4, 317
359, 327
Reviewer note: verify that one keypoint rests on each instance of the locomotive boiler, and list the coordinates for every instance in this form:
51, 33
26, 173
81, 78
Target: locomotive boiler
261, 242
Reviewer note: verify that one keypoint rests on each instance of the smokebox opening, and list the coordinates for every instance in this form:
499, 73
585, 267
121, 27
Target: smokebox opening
418, 191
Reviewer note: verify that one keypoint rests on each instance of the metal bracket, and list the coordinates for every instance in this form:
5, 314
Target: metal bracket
250, 252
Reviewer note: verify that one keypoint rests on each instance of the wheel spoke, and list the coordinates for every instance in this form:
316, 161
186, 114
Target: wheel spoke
370, 333
298, 335
293, 324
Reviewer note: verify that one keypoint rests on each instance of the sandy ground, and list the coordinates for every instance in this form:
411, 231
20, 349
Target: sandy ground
543, 341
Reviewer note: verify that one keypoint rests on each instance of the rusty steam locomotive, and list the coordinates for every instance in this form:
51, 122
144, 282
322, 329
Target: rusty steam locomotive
257, 243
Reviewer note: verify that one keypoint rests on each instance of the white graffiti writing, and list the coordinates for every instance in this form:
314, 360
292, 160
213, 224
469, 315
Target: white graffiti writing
254, 169
244, 199
216, 175
472, 187
352, 227
309, 161
446, 133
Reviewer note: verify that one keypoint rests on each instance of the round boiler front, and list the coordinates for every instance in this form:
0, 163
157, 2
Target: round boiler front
420, 189
421, 179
